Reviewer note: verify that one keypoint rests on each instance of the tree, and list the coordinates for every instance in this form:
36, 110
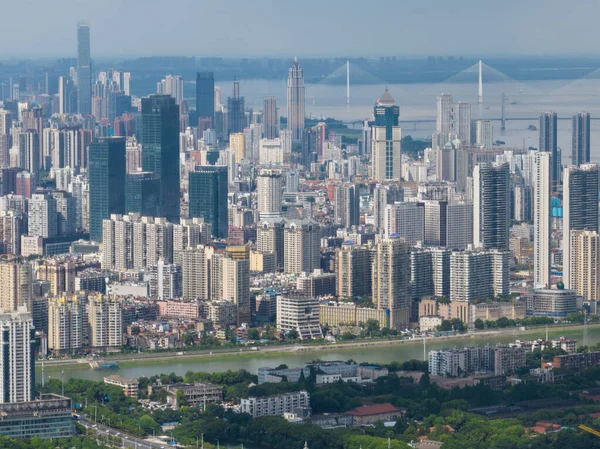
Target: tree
253, 334
372, 326
425, 381
479, 324
180, 396
292, 335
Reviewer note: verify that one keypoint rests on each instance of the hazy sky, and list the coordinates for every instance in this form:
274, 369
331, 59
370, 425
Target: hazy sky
302, 27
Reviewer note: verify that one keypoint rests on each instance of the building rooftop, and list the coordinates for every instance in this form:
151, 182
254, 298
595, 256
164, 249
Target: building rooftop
386, 99
375, 409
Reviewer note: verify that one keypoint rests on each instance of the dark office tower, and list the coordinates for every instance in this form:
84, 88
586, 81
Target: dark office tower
84, 69
107, 181
309, 147
142, 192
208, 197
548, 135
160, 149
270, 118
491, 206
236, 117
205, 96
581, 138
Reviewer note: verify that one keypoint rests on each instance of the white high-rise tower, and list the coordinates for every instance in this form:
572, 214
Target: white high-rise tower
16, 359
541, 219
295, 101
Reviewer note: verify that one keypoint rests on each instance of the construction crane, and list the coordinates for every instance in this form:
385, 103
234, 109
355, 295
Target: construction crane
589, 430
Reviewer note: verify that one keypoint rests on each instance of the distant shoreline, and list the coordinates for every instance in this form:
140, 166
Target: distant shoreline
150, 357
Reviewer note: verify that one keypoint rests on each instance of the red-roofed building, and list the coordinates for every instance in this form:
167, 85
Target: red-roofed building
369, 414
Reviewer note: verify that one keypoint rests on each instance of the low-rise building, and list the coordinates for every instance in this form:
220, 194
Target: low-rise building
323, 379
300, 314
276, 375
372, 372
370, 414
194, 394
275, 405
317, 284
179, 309
554, 303
577, 362
508, 359
49, 417
430, 322
129, 386
334, 313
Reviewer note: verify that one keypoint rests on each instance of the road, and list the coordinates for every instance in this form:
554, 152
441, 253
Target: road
126, 440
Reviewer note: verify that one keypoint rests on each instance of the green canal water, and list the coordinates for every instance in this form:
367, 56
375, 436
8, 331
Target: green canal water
253, 361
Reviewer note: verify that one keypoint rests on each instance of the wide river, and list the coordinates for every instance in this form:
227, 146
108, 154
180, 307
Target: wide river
251, 361
418, 102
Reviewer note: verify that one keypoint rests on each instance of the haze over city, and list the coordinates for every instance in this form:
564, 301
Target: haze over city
240, 28
300, 225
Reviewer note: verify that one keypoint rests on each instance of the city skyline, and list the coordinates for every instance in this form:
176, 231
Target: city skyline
523, 39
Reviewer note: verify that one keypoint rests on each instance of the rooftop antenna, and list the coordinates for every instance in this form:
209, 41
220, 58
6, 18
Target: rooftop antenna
480, 100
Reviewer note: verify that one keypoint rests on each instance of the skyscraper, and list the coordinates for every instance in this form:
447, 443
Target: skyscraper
384, 194
142, 194
236, 116
580, 208
391, 278
581, 139
160, 149
387, 135
84, 69
270, 118
171, 85
107, 181
483, 134
208, 188
17, 356
16, 280
205, 96
463, 122
270, 192
353, 269
236, 286
347, 205
541, 220
548, 142
295, 101
302, 249
444, 123
491, 206
585, 264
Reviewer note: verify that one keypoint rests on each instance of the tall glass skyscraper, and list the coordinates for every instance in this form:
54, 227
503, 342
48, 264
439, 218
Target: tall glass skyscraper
142, 194
548, 142
295, 101
581, 139
208, 197
270, 118
107, 168
236, 116
205, 96
160, 150
84, 69
491, 206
